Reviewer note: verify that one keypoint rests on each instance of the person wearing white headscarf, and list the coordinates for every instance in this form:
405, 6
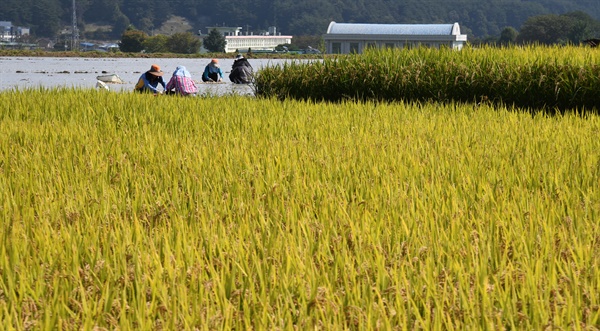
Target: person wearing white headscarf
181, 82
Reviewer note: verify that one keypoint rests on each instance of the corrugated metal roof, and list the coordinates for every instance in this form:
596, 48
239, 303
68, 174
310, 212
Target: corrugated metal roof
393, 29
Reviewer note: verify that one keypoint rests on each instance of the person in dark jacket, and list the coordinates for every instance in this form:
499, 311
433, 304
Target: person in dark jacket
241, 71
212, 72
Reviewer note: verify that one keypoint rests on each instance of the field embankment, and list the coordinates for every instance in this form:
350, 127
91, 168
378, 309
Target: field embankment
102, 54
131, 211
549, 78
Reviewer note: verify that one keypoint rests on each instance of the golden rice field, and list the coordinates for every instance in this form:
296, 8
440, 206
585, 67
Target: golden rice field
133, 212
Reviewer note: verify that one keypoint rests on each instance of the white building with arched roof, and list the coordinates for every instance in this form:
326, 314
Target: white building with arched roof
344, 38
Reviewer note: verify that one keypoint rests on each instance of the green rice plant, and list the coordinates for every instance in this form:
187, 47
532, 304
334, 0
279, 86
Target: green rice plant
129, 211
550, 78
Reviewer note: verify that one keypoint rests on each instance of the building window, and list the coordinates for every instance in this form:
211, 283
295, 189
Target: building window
371, 45
336, 48
353, 47
389, 45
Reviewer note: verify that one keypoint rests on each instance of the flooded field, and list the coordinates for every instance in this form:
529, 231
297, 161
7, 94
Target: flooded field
32, 72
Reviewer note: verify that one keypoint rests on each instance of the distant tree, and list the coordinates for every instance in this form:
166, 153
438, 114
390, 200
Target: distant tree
478, 19
184, 43
583, 27
544, 29
46, 18
215, 42
132, 40
121, 23
101, 11
141, 13
508, 36
156, 44
572, 27
309, 24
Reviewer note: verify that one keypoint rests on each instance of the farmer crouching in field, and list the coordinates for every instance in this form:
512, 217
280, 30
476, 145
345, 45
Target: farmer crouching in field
149, 80
212, 72
241, 71
181, 82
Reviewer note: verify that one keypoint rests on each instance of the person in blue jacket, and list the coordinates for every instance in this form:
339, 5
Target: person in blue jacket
149, 81
212, 72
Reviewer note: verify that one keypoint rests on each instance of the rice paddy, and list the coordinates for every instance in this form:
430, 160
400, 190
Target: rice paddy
127, 211
549, 78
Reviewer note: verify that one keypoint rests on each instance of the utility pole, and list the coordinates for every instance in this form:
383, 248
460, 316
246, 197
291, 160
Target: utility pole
275, 9
75, 30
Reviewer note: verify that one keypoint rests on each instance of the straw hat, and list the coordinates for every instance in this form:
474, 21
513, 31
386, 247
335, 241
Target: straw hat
155, 70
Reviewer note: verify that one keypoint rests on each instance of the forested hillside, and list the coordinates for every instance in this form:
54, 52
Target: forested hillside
478, 18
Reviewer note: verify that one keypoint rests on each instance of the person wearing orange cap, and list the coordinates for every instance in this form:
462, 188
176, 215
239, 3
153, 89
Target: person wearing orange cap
212, 72
149, 80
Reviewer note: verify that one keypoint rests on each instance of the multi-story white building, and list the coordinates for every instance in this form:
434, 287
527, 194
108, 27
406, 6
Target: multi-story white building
238, 42
344, 38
